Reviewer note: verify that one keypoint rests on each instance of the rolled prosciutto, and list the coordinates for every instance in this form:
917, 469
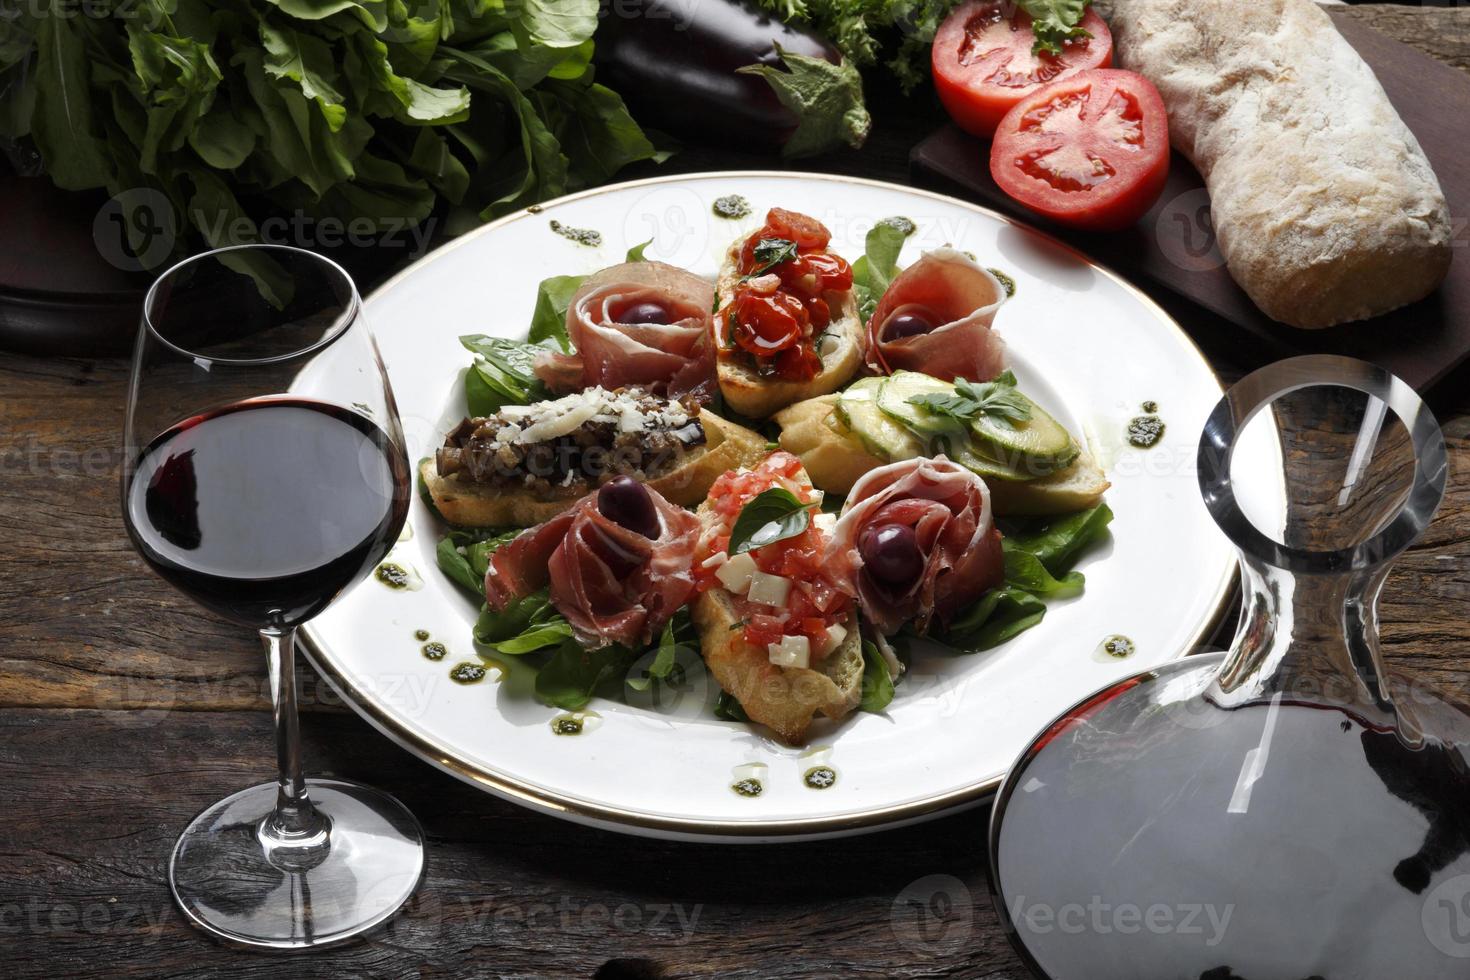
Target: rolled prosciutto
916, 542
935, 318
619, 563
639, 324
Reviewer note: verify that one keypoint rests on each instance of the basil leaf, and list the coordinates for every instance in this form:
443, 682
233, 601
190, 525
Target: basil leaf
772, 515
877, 682
1057, 543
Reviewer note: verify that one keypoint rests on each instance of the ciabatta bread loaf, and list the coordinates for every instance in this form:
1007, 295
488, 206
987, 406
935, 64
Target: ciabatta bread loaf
1324, 205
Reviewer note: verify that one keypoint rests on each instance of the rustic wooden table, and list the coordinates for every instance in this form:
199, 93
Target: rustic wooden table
124, 709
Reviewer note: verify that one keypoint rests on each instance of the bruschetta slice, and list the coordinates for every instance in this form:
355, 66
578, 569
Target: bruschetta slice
786, 325
526, 464
776, 632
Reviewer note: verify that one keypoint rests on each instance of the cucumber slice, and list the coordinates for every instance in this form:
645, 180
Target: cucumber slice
893, 399
1038, 446
858, 408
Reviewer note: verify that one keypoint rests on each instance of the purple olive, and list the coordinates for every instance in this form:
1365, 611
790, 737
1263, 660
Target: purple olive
908, 323
645, 312
626, 502
891, 554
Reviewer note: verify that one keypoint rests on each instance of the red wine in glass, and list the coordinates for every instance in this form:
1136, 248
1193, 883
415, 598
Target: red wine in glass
264, 504
264, 510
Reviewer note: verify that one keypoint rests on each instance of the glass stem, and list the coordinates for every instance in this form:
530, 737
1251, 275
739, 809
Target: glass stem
294, 818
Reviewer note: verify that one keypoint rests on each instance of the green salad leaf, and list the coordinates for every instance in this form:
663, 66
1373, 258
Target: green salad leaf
1055, 22
728, 708
678, 633
771, 515
527, 624
573, 675
378, 114
878, 264
877, 681
464, 556
1039, 555
501, 375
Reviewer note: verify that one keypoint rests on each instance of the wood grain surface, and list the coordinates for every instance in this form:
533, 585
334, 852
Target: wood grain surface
124, 710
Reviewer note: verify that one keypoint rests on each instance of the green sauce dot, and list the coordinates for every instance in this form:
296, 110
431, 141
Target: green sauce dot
437, 651
1118, 646
820, 777
393, 576
566, 725
748, 787
731, 206
467, 673
421, 635
1145, 431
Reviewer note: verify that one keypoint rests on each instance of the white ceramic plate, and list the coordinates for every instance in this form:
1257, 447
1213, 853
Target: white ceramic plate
1088, 346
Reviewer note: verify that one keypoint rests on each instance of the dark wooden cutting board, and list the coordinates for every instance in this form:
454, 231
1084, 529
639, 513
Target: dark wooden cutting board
1171, 253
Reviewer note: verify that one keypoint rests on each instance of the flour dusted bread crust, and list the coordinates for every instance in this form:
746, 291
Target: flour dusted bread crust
1324, 205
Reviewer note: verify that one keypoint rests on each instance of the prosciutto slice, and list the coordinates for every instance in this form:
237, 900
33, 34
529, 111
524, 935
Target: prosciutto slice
948, 509
950, 290
612, 584
674, 358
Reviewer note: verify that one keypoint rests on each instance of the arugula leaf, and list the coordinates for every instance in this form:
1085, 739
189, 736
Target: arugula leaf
1057, 544
549, 319
62, 117
875, 269
877, 682
1054, 22
970, 400
501, 375
826, 98
771, 515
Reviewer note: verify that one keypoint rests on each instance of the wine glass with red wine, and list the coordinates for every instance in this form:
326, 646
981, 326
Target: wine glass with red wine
263, 507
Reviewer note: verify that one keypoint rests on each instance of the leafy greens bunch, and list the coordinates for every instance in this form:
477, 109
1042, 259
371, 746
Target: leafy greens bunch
350, 109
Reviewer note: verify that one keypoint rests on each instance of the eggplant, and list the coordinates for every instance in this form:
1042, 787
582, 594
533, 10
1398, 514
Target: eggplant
677, 64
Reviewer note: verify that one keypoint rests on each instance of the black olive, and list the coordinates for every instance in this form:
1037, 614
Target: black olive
645, 312
891, 554
909, 323
626, 502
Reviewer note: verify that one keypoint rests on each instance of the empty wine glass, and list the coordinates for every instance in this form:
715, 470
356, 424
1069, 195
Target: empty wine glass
263, 507
1289, 809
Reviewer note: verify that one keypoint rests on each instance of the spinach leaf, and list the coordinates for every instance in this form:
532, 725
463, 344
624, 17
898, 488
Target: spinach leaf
728, 708
772, 515
530, 623
464, 556
1058, 543
549, 320
501, 375
877, 682
1025, 571
573, 675
875, 269
1000, 615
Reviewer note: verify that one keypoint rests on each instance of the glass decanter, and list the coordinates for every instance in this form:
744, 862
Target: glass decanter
1288, 809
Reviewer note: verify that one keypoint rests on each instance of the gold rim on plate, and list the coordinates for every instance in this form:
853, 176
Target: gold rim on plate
581, 810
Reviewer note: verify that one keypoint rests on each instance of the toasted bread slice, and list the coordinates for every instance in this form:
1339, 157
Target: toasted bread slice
727, 446
784, 699
1075, 488
835, 458
756, 397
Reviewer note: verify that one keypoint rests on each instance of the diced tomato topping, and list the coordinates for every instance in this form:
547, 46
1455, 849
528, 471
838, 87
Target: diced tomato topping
778, 327
814, 603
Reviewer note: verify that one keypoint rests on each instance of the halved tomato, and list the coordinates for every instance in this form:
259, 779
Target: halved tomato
1090, 151
983, 64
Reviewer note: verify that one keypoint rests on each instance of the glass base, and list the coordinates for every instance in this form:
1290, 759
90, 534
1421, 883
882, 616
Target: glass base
231, 880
